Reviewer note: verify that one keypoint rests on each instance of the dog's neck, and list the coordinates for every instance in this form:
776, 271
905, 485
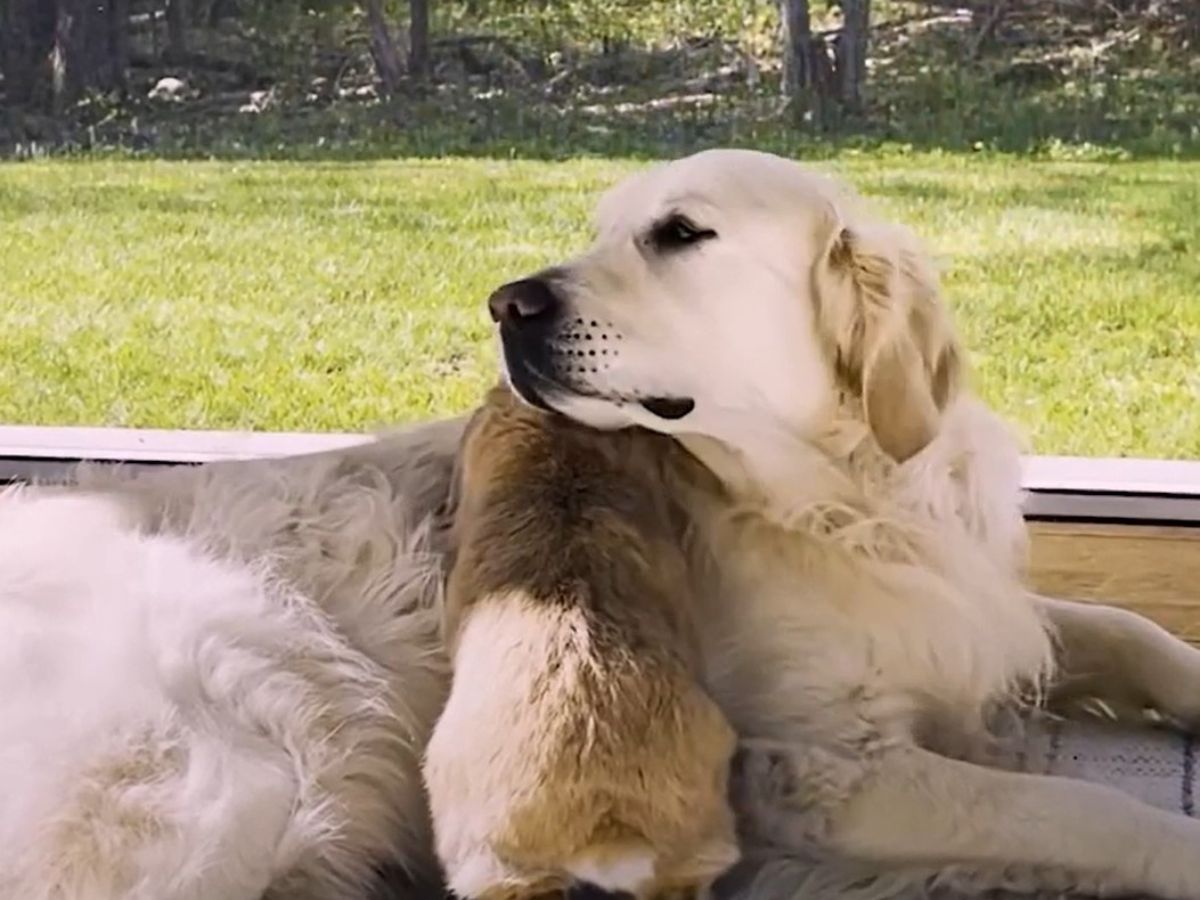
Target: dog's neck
780, 474
968, 477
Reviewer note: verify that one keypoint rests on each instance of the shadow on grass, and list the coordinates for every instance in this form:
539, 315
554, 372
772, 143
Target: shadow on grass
521, 128
1052, 189
1115, 116
1049, 94
1167, 197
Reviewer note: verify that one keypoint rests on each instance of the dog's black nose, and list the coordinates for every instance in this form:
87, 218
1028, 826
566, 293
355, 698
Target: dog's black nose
523, 301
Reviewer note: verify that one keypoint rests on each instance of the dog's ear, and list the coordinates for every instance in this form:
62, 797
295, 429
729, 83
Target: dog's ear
893, 342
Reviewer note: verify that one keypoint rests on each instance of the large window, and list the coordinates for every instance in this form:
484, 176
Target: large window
226, 218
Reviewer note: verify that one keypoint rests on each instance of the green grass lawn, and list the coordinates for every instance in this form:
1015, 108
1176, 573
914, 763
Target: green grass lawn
344, 296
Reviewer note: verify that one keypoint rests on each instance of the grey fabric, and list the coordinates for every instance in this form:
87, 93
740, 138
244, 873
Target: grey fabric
1155, 765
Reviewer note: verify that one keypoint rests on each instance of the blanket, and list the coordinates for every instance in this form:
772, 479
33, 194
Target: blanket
1156, 765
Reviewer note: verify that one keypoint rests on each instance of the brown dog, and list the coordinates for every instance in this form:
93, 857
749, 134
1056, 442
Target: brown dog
577, 745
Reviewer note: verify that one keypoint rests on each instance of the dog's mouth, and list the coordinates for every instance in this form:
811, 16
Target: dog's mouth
534, 375
530, 386
539, 390
671, 409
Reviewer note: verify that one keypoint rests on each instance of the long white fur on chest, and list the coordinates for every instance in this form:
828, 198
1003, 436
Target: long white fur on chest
907, 604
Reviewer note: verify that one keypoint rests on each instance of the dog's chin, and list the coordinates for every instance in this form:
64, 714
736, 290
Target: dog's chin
530, 387
594, 407
665, 415
548, 395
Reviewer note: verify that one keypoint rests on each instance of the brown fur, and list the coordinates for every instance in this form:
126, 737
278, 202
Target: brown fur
576, 738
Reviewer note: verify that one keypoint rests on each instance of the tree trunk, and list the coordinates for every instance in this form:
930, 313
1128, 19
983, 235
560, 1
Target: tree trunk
418, 39
851, 53
806, 76
177, 29
118, 42
5, 37
218, 11
797, 48
383, 48
28, 38
82, 58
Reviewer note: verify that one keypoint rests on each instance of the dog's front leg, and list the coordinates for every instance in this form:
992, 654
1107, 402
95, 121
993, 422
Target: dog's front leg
917, 812
1125, 661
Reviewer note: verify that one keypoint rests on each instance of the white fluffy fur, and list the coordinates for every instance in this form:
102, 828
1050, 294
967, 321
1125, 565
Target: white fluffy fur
218, 681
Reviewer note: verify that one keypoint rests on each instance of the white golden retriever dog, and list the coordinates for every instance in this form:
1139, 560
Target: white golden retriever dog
866, 621
218, 682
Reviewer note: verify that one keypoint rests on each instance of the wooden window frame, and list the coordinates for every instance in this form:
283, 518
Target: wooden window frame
1061, 488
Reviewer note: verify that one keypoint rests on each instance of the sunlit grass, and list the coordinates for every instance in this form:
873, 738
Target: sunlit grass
323, 296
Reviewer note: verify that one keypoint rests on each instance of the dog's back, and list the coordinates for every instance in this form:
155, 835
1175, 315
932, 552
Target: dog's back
576, 743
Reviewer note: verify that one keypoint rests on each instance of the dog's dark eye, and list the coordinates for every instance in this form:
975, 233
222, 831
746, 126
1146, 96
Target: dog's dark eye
676, 232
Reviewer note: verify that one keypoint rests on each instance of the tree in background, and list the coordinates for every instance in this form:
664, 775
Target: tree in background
800, 74
819, 85
1010, 71
386, 49
418, 39
850, 54
177, 29
26, 38
56, 50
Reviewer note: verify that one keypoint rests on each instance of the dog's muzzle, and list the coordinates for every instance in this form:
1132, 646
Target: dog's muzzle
531, 314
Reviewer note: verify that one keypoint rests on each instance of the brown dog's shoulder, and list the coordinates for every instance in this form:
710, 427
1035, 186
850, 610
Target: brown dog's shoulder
575, 711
